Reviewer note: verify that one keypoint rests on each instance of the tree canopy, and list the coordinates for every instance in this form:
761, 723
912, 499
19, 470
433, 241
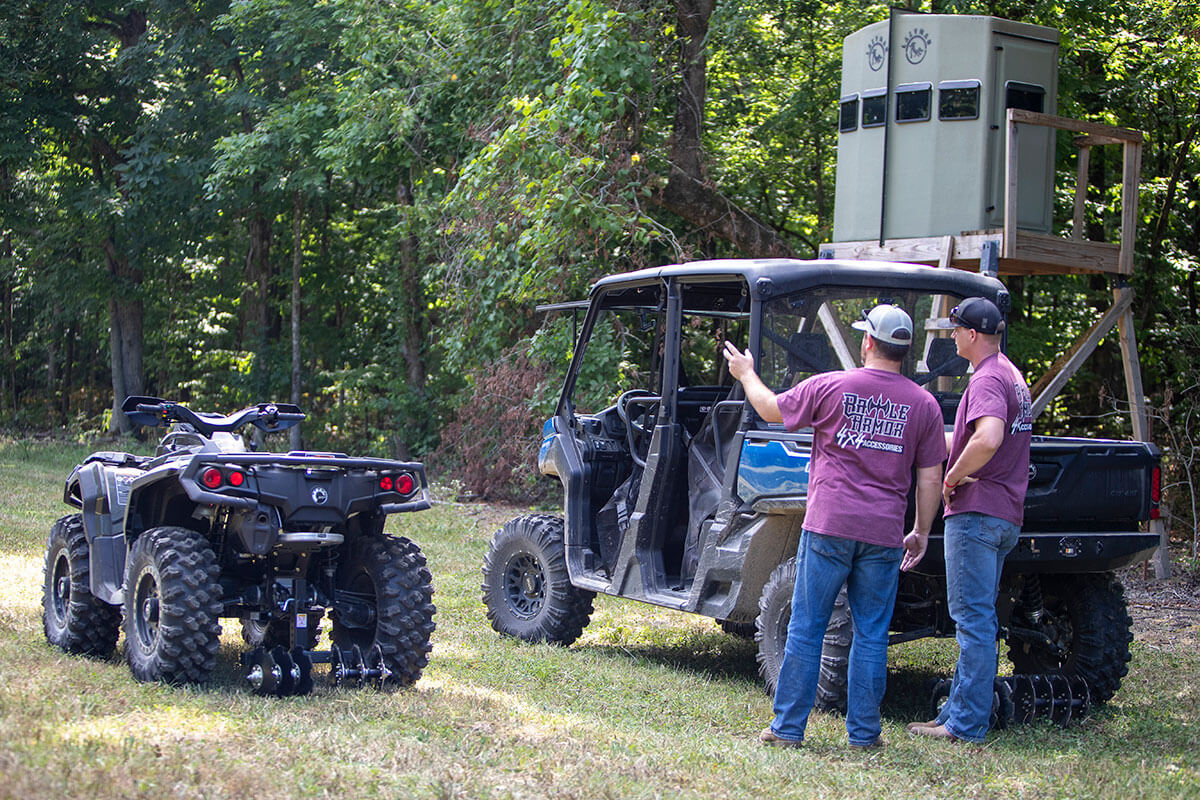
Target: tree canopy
182, 181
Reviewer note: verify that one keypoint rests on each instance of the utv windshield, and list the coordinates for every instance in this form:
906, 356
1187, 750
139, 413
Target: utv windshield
810, 332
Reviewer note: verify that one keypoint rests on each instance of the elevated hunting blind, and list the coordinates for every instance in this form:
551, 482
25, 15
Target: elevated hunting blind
921, 142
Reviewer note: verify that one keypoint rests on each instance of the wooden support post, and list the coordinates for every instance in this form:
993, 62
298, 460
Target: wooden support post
947, 256
1140, 418
1133, 370
1129, 205
836, 333
1081, 184
1010, 188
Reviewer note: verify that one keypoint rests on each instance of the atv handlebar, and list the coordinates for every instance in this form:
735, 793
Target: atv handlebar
267, 417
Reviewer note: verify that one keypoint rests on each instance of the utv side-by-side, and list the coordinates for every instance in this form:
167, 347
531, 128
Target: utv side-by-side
677, 494
209, 529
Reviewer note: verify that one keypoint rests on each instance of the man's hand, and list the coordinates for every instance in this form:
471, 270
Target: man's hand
914, 550
740, 363
985, 440
948, 490
741, 367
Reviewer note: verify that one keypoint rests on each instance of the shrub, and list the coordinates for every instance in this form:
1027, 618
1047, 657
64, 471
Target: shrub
491, 442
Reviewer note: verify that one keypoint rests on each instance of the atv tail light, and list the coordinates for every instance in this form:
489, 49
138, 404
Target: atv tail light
236, 478
385, 483
1155, 492
404, 483
212, 478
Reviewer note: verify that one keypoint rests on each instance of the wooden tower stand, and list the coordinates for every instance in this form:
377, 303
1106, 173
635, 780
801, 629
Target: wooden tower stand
1010, 251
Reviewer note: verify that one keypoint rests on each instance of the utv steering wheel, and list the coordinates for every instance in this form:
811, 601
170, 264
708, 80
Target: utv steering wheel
639, 427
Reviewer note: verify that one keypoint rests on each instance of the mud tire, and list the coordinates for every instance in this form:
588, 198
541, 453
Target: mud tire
73, 619
835, 657
1088, 615
390, 573
526, 587
172, 606
774, 613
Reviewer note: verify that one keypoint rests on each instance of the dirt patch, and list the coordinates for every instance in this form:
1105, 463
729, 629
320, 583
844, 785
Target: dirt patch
489, 517
1166, 613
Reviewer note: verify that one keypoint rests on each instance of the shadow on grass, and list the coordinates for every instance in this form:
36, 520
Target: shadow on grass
711, 655
725, 657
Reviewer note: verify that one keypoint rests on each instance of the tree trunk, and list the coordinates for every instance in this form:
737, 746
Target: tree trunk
414, 329
68, 373
53, 379
297, 212
7, 376
125, 333
125, 304
118, 423
256, 317
689, 193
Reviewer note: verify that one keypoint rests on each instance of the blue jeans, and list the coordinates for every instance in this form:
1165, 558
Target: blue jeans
975, 545
871, 573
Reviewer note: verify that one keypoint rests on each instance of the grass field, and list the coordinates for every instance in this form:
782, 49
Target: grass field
647, 704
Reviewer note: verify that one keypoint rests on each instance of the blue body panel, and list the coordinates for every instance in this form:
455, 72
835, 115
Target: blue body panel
545, 460
773, 468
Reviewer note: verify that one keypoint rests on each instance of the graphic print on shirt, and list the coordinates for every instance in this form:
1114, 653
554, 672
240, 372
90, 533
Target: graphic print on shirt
868, 419
1024, 421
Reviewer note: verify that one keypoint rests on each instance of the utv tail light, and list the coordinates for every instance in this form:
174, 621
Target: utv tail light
211, 478
404, 483
1155, 492
385, 483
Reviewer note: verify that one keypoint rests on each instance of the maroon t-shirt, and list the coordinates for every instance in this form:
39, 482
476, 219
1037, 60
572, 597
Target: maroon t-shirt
870, 428
995, 390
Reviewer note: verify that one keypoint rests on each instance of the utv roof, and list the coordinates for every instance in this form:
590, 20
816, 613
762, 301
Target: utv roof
769, 277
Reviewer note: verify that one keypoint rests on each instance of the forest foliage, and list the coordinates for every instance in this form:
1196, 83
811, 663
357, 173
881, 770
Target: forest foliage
181, 181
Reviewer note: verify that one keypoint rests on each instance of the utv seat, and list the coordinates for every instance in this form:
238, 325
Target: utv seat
707, 456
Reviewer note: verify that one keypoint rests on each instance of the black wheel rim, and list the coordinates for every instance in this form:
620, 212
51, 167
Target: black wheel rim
1058, 652
145, 609
524, 585
60, 590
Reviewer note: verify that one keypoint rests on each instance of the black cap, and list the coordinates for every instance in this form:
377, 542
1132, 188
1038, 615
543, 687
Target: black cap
977, 313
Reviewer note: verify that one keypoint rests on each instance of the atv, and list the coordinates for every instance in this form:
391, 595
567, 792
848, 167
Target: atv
167, 545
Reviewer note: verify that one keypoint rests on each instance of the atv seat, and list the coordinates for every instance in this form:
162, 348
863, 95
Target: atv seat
305, 541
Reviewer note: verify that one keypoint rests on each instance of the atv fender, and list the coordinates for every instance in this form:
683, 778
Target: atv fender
103, 492
149, 501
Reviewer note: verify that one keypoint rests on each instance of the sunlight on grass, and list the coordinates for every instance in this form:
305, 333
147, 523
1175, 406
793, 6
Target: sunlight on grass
21, 577
530, 723
158, 723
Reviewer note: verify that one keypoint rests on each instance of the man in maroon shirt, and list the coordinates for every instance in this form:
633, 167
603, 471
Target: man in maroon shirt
984, 494
871, 427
